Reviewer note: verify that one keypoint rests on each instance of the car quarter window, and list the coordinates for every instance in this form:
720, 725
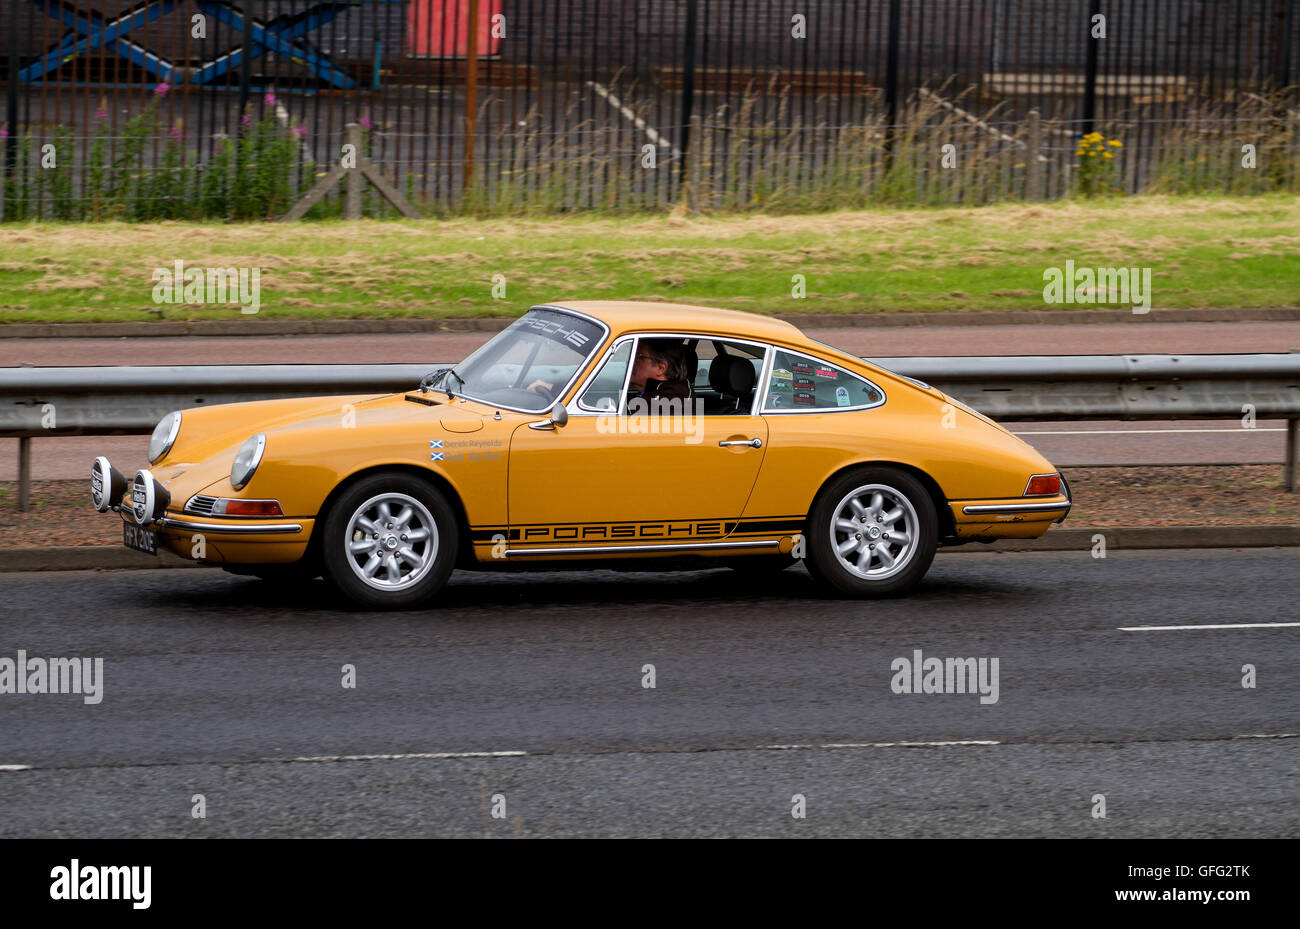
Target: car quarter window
605, 390
800, 384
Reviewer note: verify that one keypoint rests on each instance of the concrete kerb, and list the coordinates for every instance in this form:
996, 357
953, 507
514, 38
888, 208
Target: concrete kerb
111, 557
297, 327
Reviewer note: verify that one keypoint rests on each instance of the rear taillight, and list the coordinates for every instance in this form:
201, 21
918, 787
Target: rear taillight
1043, 485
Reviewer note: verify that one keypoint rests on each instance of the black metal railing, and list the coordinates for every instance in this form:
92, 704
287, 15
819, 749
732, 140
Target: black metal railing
186, 108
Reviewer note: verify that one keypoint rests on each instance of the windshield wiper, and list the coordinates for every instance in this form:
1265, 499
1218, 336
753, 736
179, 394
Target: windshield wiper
427, 382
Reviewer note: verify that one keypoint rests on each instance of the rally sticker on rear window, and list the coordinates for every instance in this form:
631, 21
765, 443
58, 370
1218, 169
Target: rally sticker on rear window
805, 396
804, 383
829, 373
841, 396
801, 367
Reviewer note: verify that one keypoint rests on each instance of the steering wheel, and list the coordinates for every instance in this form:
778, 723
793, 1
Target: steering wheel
543, 391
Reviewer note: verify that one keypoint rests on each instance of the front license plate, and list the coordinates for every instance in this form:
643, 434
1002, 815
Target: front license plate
140, 538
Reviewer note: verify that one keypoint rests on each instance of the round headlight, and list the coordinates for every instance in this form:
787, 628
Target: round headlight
164, 435
246, 461
106, 485
149, 499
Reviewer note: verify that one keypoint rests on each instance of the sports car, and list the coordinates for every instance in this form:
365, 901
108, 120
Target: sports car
545, 448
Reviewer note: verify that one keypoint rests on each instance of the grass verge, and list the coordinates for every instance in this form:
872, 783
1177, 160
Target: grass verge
1202, 252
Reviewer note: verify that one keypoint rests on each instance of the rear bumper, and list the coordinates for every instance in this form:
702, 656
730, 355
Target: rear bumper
1011, 518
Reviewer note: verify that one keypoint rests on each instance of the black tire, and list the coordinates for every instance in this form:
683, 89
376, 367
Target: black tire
863, 571
417, 578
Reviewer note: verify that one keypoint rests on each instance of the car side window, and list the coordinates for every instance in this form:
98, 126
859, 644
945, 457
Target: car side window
801, 384
605, 392
727, 376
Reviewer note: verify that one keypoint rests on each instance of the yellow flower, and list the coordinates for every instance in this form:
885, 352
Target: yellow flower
1107, 155
1092, 154
1116, 143
1079, 152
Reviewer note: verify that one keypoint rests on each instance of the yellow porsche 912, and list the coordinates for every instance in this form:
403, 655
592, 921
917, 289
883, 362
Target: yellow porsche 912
593, 433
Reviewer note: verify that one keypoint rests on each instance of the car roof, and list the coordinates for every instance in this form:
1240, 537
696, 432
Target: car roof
633, 315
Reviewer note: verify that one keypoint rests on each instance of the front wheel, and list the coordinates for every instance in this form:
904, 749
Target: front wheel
390, 541
872, 533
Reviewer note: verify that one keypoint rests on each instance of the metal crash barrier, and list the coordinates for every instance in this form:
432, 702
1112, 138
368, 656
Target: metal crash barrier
62, 401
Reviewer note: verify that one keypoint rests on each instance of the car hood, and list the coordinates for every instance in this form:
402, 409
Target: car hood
219, 430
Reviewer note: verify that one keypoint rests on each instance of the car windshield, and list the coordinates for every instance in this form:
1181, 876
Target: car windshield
528, 365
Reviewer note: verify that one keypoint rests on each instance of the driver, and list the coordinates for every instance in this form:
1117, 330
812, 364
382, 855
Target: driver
659, 371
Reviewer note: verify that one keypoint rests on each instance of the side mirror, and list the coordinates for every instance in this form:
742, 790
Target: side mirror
559, 416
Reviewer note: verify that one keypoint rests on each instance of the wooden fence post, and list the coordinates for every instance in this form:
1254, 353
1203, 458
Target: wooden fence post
1033, 189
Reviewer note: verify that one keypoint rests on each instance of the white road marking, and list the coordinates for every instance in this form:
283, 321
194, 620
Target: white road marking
1145, 431
781, 748
1211, 626
414, 755
443, 756
1270, 735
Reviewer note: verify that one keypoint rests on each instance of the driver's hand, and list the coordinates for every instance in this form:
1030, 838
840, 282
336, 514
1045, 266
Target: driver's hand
549, 388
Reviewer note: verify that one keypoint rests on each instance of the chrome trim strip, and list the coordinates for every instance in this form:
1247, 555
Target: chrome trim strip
674, 547
195, 504
232, 528
1016, 507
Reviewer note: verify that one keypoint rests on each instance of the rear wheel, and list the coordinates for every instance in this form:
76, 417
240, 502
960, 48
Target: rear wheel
873, 532
390, 541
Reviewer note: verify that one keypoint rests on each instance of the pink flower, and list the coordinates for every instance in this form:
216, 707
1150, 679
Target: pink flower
101, 114
365, 122
269, 99
299, 131
162, 88
246, 120
176, 133
4, 132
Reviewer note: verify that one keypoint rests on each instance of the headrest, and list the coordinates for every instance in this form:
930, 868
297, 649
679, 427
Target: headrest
731, 375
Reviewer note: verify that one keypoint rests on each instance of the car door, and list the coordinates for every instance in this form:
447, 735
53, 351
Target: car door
611, 476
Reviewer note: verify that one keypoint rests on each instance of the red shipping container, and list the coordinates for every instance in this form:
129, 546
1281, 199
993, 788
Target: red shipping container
440, 28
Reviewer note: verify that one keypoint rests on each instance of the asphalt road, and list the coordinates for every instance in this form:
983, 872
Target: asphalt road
232, 688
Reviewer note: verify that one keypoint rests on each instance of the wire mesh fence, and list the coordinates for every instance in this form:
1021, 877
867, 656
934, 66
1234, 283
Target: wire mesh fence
204, 109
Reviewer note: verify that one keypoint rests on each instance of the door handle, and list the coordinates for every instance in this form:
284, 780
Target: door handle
752, 443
